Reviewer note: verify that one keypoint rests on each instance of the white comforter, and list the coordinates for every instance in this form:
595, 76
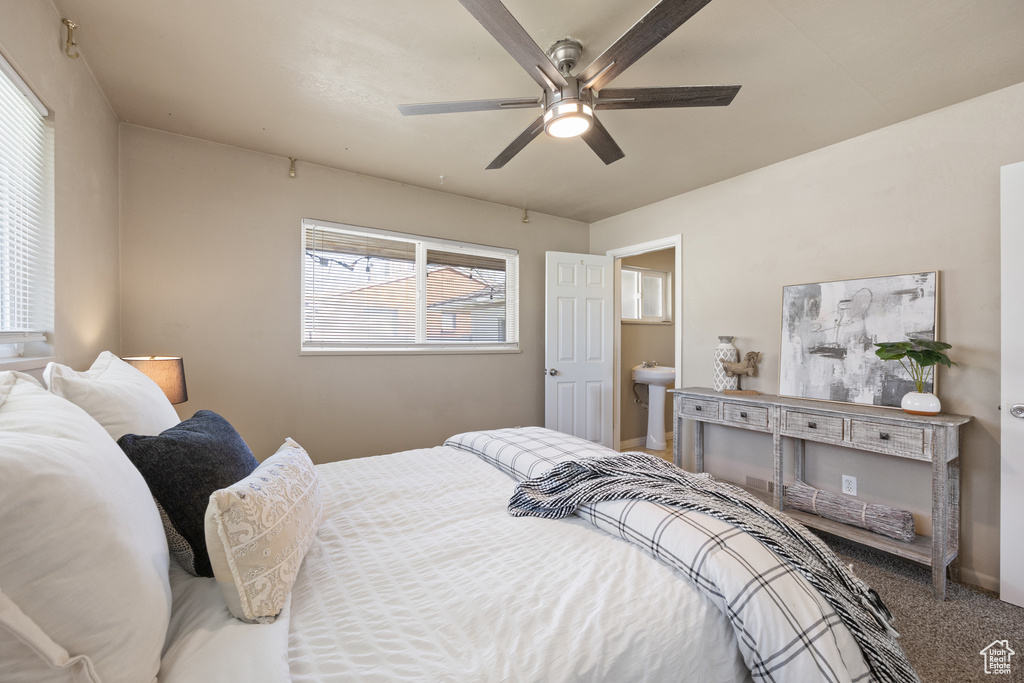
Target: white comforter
418, 573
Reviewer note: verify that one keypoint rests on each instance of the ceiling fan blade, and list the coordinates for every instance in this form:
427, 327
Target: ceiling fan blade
602, 143
663, 19
500, 23
517, 145
468, 105
656, 98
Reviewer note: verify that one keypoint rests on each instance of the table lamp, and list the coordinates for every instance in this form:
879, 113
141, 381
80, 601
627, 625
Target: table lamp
167, 371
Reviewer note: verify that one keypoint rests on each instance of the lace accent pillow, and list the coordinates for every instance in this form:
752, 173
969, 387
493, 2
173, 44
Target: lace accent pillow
258, 532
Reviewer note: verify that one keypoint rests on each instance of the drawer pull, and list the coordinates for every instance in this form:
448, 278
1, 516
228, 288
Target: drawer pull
743, 415
812, 425
698, 408
884, 436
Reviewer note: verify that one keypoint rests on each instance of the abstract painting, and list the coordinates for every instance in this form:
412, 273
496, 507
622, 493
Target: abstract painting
829, 330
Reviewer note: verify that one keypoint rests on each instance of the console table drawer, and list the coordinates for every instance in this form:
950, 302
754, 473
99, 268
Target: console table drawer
816, 427
746, 416
909, 441
706, 410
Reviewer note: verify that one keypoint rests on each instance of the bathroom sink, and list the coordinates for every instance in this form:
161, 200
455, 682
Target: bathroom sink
657, 378
659, 375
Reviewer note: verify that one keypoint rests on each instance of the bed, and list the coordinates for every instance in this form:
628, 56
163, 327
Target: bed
408, 566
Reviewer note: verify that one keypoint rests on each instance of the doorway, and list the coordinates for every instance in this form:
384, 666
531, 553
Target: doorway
640, 335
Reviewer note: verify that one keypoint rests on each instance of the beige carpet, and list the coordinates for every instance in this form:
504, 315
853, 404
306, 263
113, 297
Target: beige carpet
943, 640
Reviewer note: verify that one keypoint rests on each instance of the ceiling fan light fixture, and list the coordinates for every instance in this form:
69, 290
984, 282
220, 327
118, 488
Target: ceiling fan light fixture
568, 119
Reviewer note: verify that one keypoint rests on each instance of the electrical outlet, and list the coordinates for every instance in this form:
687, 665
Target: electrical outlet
849, 485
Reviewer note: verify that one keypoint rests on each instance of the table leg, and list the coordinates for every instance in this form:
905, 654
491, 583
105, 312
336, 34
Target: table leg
798, 459
698, 446
677, 443
953, 518
940, 512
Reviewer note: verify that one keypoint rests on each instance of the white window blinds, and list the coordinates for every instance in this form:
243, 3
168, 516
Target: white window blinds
368, 290
26, 213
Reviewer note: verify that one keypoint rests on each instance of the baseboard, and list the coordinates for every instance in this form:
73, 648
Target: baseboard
641, 442
974, 578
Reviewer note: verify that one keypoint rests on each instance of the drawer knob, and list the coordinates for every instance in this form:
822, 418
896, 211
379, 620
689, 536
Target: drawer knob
743, 415
812, 425
884, 436
697, 408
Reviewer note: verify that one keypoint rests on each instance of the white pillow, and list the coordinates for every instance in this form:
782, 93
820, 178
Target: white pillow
205, 644
26, 653
258, 531
118, 396
83, 554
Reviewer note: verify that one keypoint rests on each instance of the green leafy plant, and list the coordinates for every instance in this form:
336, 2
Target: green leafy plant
921, 357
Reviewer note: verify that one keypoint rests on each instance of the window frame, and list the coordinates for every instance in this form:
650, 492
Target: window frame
422, 243
666, 297
25, 348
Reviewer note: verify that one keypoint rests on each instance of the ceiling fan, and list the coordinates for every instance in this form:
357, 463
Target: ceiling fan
569, 101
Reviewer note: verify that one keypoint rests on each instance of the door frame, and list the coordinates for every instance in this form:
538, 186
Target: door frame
1011, 478
671, 242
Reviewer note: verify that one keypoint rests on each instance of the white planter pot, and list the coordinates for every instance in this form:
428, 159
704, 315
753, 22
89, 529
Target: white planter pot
921, 404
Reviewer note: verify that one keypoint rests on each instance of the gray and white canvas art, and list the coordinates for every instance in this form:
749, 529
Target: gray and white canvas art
829, 330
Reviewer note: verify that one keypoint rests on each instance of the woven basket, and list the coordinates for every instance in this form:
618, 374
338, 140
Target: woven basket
881, 519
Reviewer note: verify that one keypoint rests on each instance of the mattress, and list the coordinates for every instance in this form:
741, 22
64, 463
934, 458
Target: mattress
419, 573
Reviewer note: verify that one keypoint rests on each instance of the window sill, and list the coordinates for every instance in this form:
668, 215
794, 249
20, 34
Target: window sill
646, 322
394, 351
20, 364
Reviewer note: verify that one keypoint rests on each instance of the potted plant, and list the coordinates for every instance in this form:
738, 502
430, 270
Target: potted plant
921, 356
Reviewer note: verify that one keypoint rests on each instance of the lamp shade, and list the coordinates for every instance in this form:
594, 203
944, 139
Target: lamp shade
167, 371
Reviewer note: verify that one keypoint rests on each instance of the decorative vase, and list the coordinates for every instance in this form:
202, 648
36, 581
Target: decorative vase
917, 403
725, 351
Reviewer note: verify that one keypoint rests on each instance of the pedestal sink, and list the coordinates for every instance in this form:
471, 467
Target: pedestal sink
657, 378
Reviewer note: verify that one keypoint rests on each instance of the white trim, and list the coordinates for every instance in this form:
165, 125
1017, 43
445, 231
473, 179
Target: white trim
641, 442
430, 242
16, 78
27, 364
405, 351
22, 337
671, 242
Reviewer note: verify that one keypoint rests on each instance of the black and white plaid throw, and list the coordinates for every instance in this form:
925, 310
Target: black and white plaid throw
753, 562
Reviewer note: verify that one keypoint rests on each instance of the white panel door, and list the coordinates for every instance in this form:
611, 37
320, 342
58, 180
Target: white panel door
1011, 428
579, 358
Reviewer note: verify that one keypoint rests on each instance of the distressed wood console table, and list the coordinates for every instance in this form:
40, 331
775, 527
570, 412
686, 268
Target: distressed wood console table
934, 440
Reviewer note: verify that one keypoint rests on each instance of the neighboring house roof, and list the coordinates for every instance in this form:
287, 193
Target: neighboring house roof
443, 285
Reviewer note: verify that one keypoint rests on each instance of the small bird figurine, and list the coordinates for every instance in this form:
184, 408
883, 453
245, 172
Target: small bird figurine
747, 367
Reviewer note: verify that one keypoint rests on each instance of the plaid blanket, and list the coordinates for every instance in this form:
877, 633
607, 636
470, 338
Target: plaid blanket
760, 568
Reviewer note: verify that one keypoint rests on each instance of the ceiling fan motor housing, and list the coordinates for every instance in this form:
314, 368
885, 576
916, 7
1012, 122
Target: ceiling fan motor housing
566, 54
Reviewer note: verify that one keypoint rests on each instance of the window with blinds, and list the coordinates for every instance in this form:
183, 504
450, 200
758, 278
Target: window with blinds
26, 216
368, 290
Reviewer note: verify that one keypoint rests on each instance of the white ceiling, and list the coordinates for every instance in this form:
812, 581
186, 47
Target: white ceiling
320, 80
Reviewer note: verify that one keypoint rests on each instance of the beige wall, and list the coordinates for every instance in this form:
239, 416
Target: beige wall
85, 177
920, 195
210, 266
640, 342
